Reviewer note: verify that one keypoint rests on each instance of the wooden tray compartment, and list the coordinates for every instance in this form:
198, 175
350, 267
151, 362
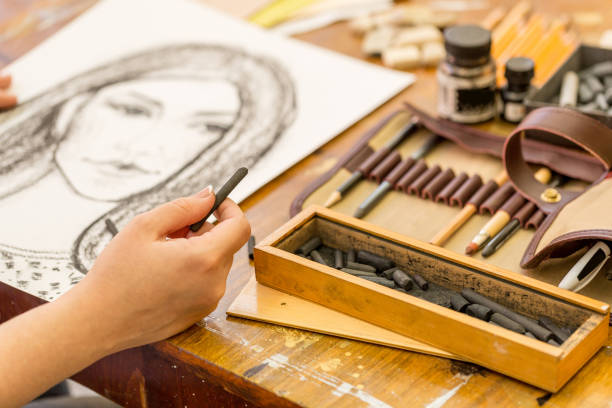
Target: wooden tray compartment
533, 361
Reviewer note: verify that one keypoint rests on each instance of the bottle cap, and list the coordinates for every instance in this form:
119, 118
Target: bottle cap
519, 70
468, 44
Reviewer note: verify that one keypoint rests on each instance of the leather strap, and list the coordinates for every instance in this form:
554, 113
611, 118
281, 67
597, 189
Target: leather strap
587, 133
563, 160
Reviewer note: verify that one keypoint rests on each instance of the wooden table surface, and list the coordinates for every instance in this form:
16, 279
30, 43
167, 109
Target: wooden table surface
225, 361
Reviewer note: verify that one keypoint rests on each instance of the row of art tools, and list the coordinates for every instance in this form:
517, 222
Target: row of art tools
508, 208
411, 175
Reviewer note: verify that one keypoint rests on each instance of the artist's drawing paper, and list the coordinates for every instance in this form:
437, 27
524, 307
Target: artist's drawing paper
142, 101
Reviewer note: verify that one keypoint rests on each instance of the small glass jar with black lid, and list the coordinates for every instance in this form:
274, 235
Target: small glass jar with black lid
466, 78
519, 72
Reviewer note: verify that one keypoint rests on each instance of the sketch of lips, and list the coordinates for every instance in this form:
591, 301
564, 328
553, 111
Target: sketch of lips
118, 166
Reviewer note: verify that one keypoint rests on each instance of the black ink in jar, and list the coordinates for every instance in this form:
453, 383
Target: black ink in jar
519, 72
466, 78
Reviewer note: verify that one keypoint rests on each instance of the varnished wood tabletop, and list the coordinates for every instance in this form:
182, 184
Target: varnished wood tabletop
233, 362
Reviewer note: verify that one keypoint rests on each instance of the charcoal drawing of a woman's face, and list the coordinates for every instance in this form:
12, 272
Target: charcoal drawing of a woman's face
124, 137
133, 135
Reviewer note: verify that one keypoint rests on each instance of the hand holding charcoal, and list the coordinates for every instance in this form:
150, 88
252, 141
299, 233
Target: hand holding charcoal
151, 281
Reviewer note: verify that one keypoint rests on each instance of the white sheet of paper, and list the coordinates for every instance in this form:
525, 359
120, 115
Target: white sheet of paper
138, 102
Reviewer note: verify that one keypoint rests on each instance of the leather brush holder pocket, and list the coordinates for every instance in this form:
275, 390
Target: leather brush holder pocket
575, 219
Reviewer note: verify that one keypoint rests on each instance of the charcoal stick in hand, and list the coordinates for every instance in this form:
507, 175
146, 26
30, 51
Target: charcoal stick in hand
221, 195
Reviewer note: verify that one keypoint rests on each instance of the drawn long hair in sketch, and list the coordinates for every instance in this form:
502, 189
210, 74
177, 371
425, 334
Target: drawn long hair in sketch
132, 132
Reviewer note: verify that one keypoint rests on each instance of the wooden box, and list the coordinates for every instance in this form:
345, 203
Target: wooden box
516, 355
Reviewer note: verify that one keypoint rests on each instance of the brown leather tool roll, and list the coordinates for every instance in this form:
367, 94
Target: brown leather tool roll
399, 170
513, 204
362, 157
419, 168
444, 195
574, 219
373, 160
437, 184
523, 214
535, 220
384, 167
467, 190
497, 199
484, 192
418, 184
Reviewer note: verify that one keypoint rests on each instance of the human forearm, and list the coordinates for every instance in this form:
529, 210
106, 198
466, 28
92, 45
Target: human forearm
45, 345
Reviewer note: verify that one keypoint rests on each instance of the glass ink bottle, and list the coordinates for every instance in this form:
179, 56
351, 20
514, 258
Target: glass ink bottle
519, 72
466, 78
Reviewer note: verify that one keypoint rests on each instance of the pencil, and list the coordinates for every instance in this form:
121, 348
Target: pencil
221, 195
557, 28
558, 57
532, 31
506, 30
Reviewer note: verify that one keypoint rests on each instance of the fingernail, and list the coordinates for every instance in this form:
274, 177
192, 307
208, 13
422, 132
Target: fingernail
206, 192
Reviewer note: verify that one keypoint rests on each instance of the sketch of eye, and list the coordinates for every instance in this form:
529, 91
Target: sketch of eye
129, 109
204, 126
211, 121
